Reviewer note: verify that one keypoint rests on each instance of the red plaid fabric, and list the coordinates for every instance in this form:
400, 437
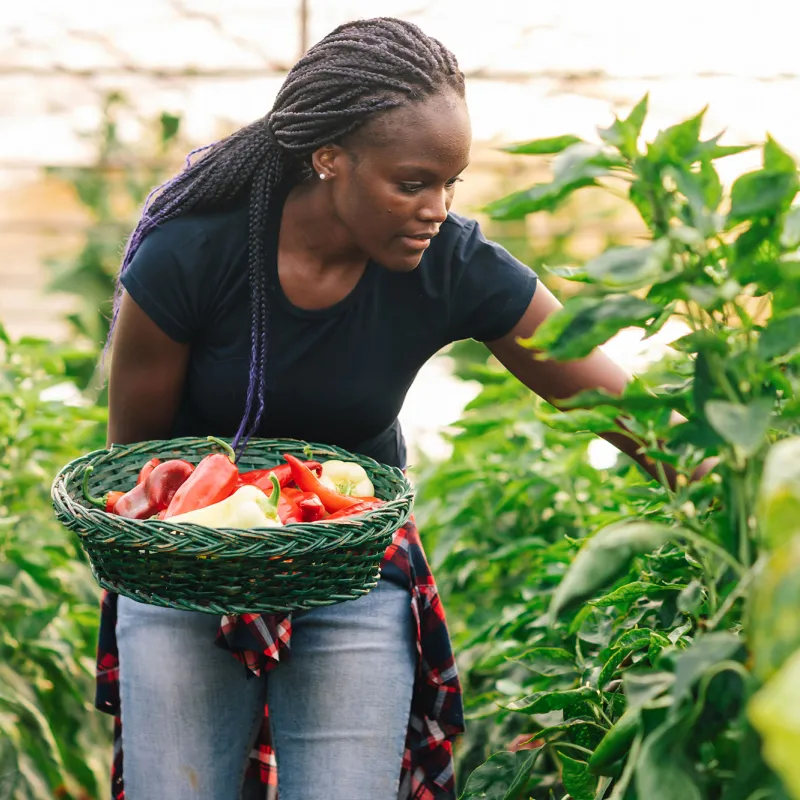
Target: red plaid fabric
261, 641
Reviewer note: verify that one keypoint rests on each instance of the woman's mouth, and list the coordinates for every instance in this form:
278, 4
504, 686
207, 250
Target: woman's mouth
419, 242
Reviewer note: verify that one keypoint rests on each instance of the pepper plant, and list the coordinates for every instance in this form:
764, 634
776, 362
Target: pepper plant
646, 642
52, 742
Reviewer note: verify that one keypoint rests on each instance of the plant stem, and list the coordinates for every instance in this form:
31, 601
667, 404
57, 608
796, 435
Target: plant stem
737, 592
700, 541
711, 582
583, 750
740, 486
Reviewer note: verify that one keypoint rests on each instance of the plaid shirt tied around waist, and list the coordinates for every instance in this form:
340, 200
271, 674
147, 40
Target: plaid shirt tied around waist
261, 641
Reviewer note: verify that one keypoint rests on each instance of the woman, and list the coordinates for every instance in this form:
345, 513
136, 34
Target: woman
291, 282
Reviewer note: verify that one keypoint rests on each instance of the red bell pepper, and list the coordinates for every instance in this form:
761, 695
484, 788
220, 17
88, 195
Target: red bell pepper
287, 505
215, 479
297, 506
107, 502
155, 494
147, 469
311, 507
301, 507
308, 482
283, 472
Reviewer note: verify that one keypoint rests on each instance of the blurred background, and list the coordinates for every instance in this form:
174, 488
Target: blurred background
100, 101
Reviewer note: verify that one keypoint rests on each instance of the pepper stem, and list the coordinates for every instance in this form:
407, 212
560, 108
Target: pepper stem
275, 496
95, 501
225, 446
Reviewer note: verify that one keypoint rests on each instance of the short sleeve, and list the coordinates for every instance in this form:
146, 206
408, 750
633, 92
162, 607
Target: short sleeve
166, 278
491, 289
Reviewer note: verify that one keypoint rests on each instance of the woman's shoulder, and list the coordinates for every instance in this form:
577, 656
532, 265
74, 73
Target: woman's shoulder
456, 226
202, 229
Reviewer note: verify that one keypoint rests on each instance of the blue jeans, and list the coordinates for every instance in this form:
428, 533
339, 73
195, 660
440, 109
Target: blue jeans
339, 708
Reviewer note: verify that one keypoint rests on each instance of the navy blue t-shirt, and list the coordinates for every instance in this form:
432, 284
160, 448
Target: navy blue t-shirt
337, 375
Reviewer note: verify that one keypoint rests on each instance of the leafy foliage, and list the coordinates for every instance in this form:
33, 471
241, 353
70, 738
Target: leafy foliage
620, 638
49, 735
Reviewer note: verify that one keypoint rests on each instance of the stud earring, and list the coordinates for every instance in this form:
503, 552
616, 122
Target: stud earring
322, 176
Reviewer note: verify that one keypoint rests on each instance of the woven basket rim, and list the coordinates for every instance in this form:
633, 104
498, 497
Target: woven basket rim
75, 468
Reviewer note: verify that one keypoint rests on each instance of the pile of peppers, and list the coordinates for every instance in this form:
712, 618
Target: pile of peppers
216, 494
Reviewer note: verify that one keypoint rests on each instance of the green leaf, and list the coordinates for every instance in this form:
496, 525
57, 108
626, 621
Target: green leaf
663, 771
690, 600
631, 592
598, 420
744, 426
776, 159
498, 776
19, 699
633, 639
617, 657
642, 196
575, 168
704, 653
702, 340
761, 193
631, 267
642, 688
542, 702
675, 144
577, 728
9, 772
711, 150
578, 783
170, 124
773, 712
790, 235
703, 191
584, 323
782, 335
548, 661
540, 147
577, 274
778, 504
710, 184
604, 557
774, 614
624, 134
753, 776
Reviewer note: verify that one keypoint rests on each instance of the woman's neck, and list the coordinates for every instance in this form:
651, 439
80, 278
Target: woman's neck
312, 233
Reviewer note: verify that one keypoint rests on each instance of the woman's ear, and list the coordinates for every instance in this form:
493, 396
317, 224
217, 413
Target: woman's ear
325, 161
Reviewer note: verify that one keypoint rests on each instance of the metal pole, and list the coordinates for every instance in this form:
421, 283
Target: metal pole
303, 26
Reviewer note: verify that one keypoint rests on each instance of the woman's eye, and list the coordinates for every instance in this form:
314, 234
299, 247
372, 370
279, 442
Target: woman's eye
413, 188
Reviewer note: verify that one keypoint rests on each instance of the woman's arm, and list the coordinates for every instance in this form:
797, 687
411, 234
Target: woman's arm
555, 381
148, 371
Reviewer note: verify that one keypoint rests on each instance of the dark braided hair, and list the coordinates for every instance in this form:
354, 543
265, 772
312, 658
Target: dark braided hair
360, 69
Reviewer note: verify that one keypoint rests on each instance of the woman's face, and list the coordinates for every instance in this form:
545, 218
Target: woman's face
392, 184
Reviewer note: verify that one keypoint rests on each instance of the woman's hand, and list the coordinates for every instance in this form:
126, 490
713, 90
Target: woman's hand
557, 381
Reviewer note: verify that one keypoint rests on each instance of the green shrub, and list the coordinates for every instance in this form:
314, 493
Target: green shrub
605, 624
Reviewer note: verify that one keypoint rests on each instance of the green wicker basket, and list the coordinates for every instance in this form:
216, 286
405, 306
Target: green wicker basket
225, 571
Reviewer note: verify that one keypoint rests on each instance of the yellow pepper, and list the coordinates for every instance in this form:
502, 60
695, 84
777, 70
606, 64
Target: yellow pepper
347, 478
247, 507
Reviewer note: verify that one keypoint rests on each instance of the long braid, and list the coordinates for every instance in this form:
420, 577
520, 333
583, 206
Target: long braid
360, 69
